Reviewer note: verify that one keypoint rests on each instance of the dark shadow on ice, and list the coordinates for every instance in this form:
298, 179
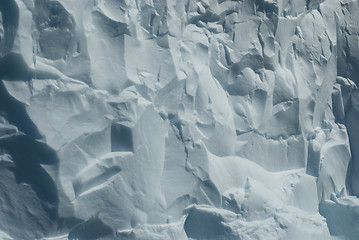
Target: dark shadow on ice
27, 155
268, 7
16, 113
121, 138
90, 230
10, 17
202, 224
13, 67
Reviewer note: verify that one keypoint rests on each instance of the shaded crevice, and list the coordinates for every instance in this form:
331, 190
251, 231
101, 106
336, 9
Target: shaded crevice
14, 68
10, 17
16, 114
121, 138
90, 230
206, 189
178, 131
27, 155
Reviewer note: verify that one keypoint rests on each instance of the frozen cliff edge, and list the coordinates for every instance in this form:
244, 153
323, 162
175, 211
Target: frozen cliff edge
179, 119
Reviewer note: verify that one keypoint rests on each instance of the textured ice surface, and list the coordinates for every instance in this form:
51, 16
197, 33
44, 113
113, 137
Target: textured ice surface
179, 119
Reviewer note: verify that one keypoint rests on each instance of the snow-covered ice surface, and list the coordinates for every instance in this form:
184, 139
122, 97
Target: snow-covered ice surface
179, 119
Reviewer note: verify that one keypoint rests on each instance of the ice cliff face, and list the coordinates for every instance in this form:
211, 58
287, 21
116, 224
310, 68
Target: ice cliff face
179, 119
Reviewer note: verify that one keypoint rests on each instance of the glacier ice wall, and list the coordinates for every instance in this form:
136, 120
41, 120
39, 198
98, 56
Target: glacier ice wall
179, 119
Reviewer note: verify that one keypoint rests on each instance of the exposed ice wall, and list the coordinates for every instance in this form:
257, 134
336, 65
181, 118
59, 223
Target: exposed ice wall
176, 119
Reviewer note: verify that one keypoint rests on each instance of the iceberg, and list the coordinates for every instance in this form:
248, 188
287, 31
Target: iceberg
179, 119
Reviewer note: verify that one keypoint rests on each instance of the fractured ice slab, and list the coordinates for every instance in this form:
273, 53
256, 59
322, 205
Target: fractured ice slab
199, 119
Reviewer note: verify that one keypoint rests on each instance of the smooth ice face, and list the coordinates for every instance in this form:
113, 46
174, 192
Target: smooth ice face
179, 119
